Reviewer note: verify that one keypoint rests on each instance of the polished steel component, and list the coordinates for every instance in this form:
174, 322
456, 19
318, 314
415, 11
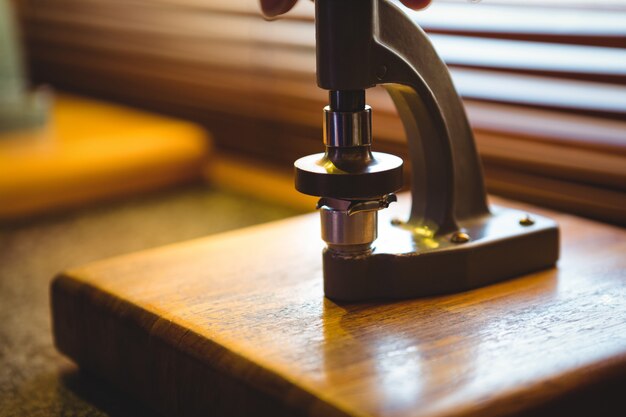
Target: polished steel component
347, 233
369, 205
331, 174
347, 129
351, 226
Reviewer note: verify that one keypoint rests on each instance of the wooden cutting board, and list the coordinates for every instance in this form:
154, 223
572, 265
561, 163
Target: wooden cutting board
236, 324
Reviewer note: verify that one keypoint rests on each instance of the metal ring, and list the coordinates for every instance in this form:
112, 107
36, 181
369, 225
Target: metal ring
346, 129
341, 230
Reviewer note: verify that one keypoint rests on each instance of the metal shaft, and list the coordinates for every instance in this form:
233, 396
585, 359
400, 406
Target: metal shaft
349, 226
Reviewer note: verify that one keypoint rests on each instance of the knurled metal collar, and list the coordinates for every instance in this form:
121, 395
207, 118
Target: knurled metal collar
346, 129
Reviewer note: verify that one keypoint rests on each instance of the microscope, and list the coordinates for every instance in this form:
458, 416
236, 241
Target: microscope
452, 240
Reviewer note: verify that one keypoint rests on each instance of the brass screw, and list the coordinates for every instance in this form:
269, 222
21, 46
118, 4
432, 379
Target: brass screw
459, 237
527, 221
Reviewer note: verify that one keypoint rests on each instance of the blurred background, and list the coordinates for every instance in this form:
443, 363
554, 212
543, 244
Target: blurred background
131, 124
544, 83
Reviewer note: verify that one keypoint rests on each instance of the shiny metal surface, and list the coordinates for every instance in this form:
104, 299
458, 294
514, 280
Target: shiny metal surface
332, 174
369, 205
347, 129
363, 43
351, 226
347, 233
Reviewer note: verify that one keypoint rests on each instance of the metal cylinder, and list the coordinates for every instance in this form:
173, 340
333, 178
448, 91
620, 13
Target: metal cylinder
347, 233
346, 100
347, 129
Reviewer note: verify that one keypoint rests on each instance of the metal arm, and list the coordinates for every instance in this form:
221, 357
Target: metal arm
452, 242
390, 49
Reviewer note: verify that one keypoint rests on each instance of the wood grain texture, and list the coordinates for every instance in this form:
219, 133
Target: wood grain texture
93, 150
237, 324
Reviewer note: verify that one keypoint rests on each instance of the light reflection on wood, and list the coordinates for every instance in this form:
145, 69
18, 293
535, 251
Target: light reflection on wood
247, 308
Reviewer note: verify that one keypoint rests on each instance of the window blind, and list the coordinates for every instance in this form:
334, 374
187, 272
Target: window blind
544, 84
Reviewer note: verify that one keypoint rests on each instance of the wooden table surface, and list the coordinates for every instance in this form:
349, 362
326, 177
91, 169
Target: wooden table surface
236, 324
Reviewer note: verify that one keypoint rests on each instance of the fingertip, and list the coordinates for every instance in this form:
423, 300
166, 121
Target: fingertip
273, 8
416, 4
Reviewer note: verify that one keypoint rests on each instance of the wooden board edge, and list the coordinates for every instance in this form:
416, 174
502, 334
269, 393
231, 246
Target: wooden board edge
73, 297
122, 343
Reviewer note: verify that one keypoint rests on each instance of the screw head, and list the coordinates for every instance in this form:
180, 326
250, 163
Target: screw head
527, 220
459, 237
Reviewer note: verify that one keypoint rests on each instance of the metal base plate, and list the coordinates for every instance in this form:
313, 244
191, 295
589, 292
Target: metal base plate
409, 262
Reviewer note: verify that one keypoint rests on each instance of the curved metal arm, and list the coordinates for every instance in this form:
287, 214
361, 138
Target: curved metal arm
447, 176
362, 43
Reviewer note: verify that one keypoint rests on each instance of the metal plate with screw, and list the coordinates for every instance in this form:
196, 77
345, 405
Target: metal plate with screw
412, 261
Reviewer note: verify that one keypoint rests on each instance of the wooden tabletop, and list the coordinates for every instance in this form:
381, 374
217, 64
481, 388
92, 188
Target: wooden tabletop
238, 322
